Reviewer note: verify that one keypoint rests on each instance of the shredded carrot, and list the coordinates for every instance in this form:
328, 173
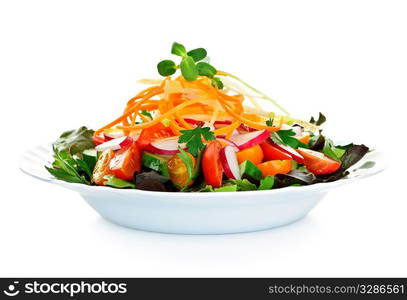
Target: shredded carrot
174, 100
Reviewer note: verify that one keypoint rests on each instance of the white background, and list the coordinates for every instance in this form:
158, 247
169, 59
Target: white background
64, 64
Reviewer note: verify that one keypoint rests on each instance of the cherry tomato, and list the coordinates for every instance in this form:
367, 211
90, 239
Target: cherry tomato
273, 167
254, 154
273, 153
211, 164
102, 167
153, 133
318, 163
178, 170
126, 162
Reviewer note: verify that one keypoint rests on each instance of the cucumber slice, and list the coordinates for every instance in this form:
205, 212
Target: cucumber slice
155, 162
90, 157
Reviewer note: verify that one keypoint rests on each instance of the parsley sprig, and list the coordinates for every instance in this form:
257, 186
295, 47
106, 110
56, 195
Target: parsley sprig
193, 138
286, 137
191, 65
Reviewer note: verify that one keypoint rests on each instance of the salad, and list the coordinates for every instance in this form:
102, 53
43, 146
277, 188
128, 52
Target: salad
203, 130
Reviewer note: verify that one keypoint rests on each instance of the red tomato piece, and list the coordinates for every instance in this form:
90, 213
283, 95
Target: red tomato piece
153, 133
126, 162
273, 153
212, 165
318, 163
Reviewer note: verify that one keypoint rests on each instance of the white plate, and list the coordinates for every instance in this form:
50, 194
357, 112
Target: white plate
199, 213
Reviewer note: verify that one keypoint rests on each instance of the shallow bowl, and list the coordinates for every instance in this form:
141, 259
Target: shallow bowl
199, 213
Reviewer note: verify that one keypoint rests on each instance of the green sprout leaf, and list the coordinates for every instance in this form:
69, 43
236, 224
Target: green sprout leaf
197, 54
205, 69
178, 49
166, 67
188, 68
217, 82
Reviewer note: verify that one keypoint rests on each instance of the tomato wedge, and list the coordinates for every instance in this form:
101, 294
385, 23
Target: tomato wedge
318, 163
273, 153
153, 133
178, 171
212, 165
126, 162
273, 167
254, 154
102, 167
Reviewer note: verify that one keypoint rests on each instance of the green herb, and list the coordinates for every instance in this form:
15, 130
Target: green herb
66, 167
193, 138
166, 67
267, 183
320, 121
113, 181
75, 141
286, 137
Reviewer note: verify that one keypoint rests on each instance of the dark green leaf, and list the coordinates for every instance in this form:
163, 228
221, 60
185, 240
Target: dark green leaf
205, 69
152, 181
178, 49
83, 166
166, 67
62, 175
66, 168
320, 121
352, 155
197, 54
75, 141
189, 69
317, 142
295, 177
